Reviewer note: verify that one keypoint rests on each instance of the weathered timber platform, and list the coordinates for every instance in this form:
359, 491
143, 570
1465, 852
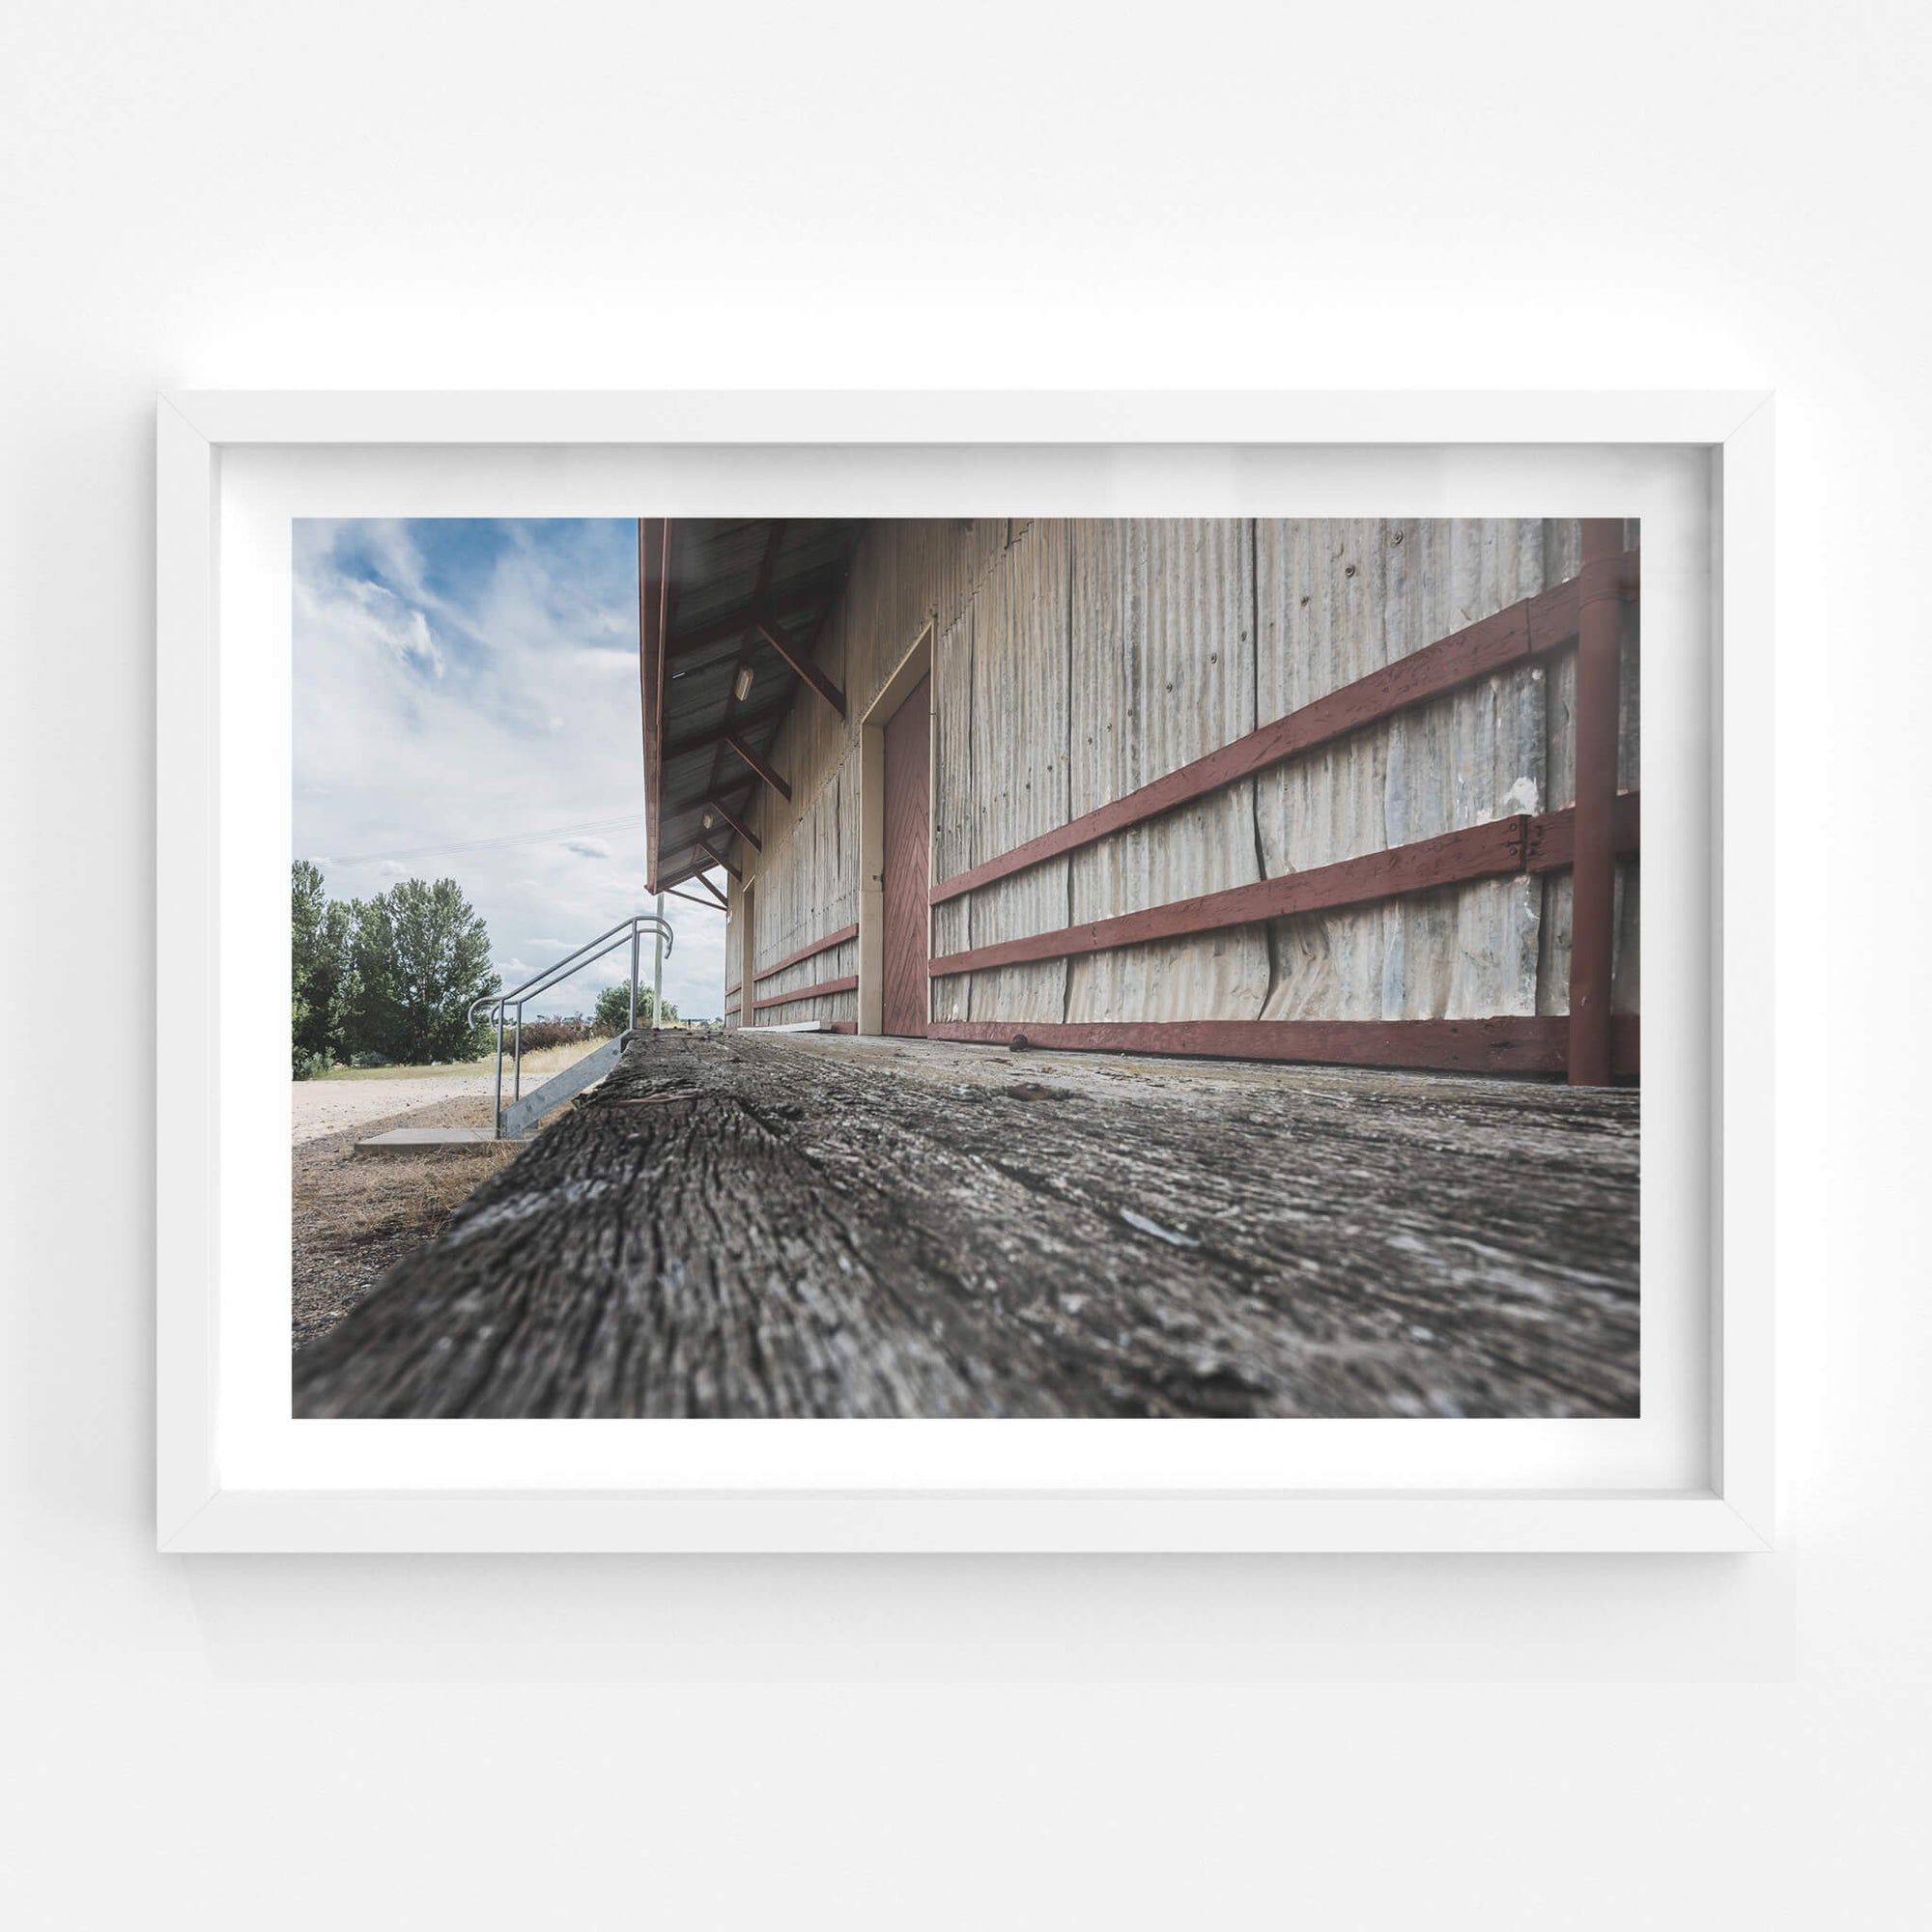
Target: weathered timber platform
826, 1226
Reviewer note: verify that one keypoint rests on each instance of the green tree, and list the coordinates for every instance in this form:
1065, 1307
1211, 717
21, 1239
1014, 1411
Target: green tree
321, 934
419, 959
613, 1008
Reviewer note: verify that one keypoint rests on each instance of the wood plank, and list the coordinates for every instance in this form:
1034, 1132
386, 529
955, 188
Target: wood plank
1593, 873
723, 864
818, 946
1047, 1238
822, 991
800, 659
1530, 628
732, 626
1551, 840
736, 745
690, 898
653, 592
1454, 857
736, 823
1541, 842
1508, 1044
1504, 1044
1475, 651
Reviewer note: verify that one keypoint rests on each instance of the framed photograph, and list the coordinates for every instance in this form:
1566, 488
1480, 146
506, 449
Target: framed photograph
965, 972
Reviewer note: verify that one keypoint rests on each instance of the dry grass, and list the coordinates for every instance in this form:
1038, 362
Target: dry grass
355, 1216
536, 1066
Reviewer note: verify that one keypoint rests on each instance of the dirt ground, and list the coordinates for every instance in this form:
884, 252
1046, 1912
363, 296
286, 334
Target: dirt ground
320, 1107
354, 1215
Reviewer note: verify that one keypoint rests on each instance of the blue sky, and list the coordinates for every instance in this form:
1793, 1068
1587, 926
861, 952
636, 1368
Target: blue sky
466, 706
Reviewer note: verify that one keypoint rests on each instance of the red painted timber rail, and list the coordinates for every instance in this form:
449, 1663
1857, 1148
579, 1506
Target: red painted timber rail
823, 990
1531, 628
1588, 1043
1541, 842
1594, 878
810, 952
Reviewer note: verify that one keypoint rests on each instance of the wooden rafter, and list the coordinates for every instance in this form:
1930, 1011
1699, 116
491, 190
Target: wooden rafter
736, 745
730, 628
736, 823
800, 659
723, 864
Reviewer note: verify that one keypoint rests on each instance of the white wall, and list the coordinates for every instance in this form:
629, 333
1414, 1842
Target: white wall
1408, 194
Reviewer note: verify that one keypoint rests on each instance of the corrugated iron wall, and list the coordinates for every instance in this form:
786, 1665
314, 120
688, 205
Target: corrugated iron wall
1076, 661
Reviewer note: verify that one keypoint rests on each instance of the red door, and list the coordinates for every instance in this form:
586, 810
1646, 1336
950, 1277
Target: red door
908, 764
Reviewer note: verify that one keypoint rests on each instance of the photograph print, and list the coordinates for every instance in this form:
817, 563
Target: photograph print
981, 967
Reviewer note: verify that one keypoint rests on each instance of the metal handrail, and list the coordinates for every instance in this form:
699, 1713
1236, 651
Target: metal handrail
587, 955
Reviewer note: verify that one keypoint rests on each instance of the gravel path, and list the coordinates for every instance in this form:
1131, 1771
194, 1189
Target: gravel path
327, 1106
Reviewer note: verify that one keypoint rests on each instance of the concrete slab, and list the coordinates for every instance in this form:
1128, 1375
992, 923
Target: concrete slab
420, 1140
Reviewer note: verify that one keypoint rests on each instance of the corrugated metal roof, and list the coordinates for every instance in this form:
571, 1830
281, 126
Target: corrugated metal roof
713, 581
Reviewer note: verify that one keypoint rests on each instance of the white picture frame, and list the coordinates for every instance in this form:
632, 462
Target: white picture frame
198, 1511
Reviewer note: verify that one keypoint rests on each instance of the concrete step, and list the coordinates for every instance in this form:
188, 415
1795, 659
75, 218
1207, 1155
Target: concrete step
420, 1140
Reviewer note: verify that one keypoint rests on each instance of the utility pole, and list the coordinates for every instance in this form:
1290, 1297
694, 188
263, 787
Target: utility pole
658, 969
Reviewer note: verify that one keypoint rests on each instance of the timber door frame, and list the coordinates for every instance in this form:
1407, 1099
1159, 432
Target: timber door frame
748, 949
915, 665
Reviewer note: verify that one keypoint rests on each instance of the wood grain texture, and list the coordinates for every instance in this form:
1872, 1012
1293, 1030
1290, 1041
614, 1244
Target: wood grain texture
811, 951
1475, 852
1162, 652
1505, 1044
824, 1227
908, 828
1414, 677
820, 991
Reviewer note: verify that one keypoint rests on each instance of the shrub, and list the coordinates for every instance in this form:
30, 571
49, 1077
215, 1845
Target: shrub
613, 1008
540, 1034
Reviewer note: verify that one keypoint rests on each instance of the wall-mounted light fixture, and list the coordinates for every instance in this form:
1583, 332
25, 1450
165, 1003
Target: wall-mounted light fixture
743, 686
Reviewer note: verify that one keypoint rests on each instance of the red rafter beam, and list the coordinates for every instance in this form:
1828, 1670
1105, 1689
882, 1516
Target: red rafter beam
724, 863
734, 743
776, 635
800, 594
736, 823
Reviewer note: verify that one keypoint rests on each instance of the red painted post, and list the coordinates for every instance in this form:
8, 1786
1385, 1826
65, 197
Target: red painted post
1593, 915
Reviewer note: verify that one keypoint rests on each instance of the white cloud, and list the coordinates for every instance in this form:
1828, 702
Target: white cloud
427, 714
